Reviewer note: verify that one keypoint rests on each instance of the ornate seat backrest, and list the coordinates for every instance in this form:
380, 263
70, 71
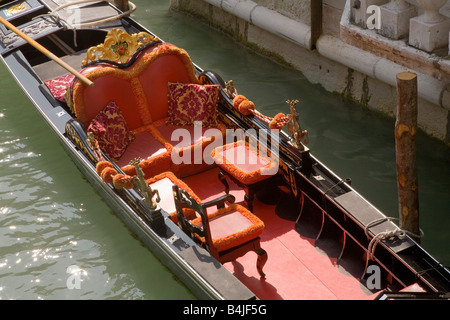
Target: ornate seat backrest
118, 47
139, 88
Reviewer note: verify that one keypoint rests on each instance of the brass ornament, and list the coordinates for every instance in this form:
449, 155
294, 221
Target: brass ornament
294, 127
119, 46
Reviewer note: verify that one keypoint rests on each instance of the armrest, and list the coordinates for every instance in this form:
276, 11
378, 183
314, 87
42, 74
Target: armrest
76, 131
211, 77
220, 201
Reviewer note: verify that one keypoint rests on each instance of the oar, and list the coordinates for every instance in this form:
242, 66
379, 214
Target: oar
47, 52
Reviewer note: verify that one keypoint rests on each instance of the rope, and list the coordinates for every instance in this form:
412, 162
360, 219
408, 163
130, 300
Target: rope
59, 20
282, 121
96, 22
260, 115
399, 233
97, 151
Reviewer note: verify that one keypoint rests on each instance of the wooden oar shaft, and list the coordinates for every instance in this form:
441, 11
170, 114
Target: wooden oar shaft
45, 51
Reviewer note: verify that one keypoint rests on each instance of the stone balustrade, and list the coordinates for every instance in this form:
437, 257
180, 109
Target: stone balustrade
424, 24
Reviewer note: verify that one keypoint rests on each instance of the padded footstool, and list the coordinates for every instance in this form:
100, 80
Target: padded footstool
245, 167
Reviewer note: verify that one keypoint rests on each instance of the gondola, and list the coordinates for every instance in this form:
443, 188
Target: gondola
237, 207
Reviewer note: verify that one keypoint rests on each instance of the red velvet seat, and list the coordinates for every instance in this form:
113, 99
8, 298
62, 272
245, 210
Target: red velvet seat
154, 153
141, 92
189, 147
228, 233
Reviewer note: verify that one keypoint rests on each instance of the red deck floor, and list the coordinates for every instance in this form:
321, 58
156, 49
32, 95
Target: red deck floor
296, 269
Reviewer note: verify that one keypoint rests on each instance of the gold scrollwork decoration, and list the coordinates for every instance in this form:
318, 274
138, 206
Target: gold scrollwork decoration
119, 46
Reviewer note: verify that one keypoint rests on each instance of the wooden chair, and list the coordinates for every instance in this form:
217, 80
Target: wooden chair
228, 233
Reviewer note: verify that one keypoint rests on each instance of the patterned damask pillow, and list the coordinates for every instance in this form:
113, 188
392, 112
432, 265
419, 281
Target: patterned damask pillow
189, 103
59, 86
111, 131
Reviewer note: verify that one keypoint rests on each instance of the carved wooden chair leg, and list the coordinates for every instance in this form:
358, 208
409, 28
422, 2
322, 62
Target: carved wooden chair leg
261, 261
223, 179
249, 196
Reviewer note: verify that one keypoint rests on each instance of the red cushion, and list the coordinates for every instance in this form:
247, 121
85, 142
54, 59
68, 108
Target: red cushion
243, 162
232, 226
144, 146
111, 84
152, 148
111, 131
170, 64
58, 86
188, 153
189, 103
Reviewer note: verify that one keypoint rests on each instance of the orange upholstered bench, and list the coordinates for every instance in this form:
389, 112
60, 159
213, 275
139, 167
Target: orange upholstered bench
133, 111
246, 167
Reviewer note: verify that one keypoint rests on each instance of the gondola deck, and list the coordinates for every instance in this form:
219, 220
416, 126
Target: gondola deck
297, 268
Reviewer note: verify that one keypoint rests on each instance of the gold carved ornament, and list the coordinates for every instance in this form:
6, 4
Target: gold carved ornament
15, 9
119, 46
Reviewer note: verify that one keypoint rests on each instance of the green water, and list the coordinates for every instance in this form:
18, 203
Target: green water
51, 218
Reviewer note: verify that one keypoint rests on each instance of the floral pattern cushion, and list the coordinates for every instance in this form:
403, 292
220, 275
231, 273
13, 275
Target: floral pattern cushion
111, 131
189, 103
58, 86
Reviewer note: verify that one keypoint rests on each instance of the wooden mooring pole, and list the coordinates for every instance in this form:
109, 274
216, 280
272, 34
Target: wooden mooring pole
122, 5
405, 147
316, 21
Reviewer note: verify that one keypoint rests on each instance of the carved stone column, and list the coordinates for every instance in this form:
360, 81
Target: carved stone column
430, 30
395, 17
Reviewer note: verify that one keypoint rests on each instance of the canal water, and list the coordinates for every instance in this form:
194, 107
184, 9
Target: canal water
52, 221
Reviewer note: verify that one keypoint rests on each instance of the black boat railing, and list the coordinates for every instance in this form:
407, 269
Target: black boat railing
76, 132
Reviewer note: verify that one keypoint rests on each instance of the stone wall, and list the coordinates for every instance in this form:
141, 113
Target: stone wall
298, 10
335, 75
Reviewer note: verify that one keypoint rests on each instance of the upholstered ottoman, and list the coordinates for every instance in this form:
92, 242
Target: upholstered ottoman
246, 167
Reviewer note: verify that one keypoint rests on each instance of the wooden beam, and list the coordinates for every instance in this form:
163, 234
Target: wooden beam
122, 5
316, 21
405, 147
